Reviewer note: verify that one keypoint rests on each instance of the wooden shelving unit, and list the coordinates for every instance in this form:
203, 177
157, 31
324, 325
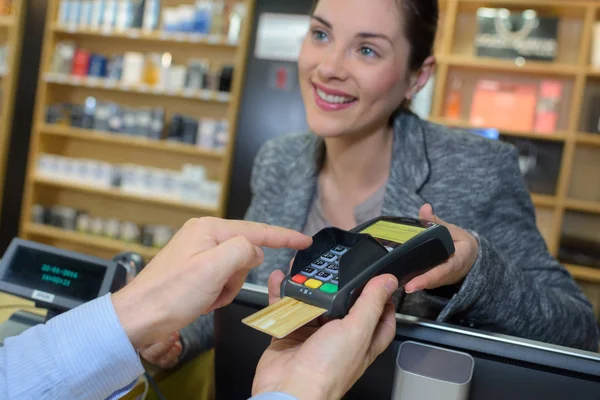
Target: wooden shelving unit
111, 245
589, 139
162, 37
124, 196
584, 206
586, 274
541, 200
123, 140
115, 148
576, 201
11, 36
557, 136
493, 64
104, 84
8, 21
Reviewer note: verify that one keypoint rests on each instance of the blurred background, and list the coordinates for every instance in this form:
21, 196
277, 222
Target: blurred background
121, 119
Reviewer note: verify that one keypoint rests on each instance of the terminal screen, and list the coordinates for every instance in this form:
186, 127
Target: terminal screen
55, 274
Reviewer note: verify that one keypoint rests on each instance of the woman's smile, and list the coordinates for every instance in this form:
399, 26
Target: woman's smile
332, 100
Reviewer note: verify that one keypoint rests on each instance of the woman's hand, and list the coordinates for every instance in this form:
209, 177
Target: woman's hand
458, 265
164, 354
324, 362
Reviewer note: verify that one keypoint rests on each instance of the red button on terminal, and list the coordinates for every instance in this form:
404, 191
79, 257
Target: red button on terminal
300, 279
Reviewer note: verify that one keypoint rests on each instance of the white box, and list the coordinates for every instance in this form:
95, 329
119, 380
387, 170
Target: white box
596, 46
206, 133
74, 13
72, 169
97, 14
110, 15
62, 168
124, 15
195, 172
86, 14
64, 12
102, 174
212, 193
133, 68
47, 165
130, 178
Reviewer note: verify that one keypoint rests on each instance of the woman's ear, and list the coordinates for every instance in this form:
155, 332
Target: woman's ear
420, 78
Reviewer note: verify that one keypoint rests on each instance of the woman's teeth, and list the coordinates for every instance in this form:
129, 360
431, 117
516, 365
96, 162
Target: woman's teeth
334, 99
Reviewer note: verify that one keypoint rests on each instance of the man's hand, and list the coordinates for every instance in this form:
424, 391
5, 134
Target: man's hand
325, 362
201, 269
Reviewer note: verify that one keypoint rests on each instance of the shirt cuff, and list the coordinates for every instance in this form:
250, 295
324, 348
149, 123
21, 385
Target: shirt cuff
95, 352
273, 396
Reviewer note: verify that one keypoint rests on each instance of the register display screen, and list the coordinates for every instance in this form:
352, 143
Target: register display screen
55, 274
391, 234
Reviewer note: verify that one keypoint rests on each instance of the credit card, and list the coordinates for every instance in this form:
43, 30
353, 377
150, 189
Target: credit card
284, 317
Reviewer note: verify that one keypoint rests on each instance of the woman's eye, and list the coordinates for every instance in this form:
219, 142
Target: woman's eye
368, 52
319, 35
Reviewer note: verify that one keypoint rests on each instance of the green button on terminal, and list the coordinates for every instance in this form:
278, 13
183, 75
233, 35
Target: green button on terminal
329, 288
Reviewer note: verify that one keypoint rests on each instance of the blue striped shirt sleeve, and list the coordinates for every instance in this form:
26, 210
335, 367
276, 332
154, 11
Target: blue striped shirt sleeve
84, 353
273, 396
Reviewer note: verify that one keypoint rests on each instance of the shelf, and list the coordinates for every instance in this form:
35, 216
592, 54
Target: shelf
558, 136
120, 139
156, 36
541, 200
588, 274
107, 84
583, 206
588, 138
593, 72
119, 195
531, 67
113, 245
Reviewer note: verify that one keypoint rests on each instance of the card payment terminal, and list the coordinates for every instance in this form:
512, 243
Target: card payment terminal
332, 272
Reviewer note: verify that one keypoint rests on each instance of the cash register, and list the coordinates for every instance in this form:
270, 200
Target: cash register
55, 279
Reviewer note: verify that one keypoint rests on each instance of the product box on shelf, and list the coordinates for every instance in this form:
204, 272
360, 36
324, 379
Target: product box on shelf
144, 122
509, 34
190, 185
215, 19
546, 119
596, 46
141, 72
81, 221
504, 105
594, 121
539, 162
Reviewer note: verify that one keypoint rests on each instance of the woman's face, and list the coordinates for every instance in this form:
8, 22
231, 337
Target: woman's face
353, 66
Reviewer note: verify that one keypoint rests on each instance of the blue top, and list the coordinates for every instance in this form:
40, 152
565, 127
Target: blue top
84, 353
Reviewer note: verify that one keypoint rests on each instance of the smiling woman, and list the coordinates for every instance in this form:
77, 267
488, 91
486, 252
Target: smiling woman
360, 65
367, 156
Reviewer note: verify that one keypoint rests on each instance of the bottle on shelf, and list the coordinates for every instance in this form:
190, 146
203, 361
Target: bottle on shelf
596, 46
236, 18
151, 15
218, 18
152, 69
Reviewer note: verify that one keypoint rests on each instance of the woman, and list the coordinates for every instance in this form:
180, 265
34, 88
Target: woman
361, 63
